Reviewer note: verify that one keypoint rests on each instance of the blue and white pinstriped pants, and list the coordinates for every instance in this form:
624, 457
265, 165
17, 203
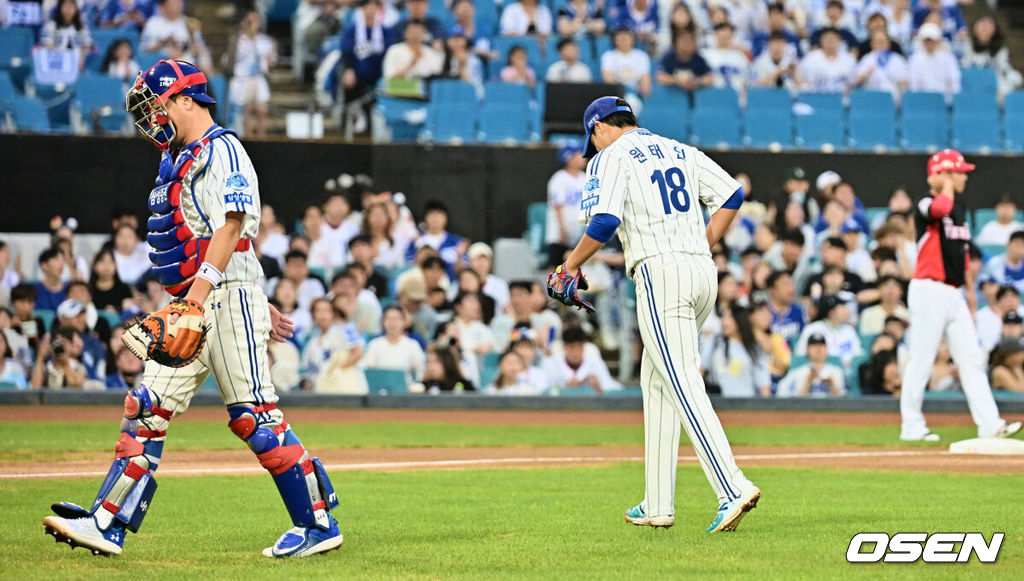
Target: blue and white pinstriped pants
675, 294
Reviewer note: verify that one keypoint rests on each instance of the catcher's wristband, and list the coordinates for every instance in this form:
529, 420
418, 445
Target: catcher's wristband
210, 274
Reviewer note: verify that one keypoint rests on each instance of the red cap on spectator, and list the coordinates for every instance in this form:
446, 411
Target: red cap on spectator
948, 160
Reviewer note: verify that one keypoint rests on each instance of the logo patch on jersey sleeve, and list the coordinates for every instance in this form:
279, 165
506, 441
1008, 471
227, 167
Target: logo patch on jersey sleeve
236, 185
590, 195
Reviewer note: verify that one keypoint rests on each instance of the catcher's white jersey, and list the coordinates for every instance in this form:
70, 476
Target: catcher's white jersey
653, 185
223, 180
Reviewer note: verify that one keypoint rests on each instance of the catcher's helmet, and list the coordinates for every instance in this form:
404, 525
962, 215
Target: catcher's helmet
147, 98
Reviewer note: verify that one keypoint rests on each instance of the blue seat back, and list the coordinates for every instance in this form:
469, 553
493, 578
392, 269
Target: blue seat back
768, 127
453, 91
764, 99
716, 129
923, 104
979, 80
717, 99
823, 128
15, 43
391, 381
975, 105
668, 120
879, 103
822, 102
922, 133
503, 124
870, 131
976, 134
451, 123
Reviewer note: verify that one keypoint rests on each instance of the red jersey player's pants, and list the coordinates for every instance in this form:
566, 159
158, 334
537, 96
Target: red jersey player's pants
939, 311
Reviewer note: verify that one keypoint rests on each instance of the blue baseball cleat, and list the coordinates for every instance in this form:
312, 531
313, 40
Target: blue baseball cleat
637, 516
730, 513
306, 541
83, 532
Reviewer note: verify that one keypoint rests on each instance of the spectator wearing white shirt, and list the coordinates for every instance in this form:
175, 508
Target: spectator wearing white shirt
729, 63
998, 231
817, 377
395, 349
66, 31
574, 367
481, 260
565, 190
526, 347
307, 287
840, 336
474, 335
827, 69
285, 297
890, 292
339, 225
412, 58
331, 354
734, 360
626, 65
131, 255
252, 54
511, 378
882, 69
989, 319
173, 35
934, 68
986, 49
568, 68
520, 320
776, 65
526, 18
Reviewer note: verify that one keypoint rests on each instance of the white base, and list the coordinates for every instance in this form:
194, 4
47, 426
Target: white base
996, 446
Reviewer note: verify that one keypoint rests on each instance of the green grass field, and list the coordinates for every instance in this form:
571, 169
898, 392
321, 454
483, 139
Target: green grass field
511, 523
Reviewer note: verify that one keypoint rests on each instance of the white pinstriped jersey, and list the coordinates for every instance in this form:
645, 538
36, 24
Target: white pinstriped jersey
653, 185
223, 180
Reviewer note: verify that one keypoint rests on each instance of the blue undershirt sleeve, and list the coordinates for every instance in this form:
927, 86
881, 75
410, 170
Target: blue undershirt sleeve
602, 227
735, 201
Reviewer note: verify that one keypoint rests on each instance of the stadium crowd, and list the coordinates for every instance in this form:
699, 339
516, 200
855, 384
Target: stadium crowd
811, 299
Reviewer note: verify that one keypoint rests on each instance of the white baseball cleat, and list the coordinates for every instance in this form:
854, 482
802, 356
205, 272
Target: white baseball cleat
1009, 430
731, 513
928, 437
83, 532
637, 516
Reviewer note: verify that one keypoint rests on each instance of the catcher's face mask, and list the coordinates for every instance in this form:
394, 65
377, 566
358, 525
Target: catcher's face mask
149, 111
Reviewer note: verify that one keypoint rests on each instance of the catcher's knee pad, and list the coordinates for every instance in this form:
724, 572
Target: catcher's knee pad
129, 486
141, 403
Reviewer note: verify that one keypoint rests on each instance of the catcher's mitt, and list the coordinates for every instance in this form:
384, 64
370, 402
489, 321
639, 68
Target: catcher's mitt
565, 289
173, 336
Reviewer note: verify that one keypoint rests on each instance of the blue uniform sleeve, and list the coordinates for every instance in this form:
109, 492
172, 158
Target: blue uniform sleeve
602, 227
735, 200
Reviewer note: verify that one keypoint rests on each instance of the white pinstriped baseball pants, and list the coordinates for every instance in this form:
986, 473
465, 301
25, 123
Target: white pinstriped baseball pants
675, 294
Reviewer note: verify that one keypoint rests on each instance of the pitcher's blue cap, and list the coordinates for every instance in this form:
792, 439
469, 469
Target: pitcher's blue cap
595, 112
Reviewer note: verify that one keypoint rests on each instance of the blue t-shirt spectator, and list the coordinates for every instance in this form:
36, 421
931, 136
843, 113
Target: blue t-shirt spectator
671, 63
760, 41
363, 48
952, 19
48, 300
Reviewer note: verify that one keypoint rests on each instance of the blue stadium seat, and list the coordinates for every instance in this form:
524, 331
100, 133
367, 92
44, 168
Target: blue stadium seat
451, 123
57, 100
717, 99
147, 59
979, 80
30, 114
514, 94
822, 102
764, 99
667, 96
93, 92
766, 128
487, 17
668, 120
601, 45
920, 103
872, 102
282, 11
872, 120
503, 124
822, 129
537, 223
453, 91
716, 129
7, 92
102, 40
923, 132
503, 44
15, 43
976, 134
386, 380
393, 110
1013, 126
980, 104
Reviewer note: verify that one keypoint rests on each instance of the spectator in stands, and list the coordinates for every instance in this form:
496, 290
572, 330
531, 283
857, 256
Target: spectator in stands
835, 16
574, 367
517, 69
442, 372
1013, 325
460, 62
858, 259
681, 18
1008, 268
324, 253
626, 65
394, 349
788, 317
23, 304
469, 283
734, 360
511, 378
411, 295
989, 319
526, 18
378, 226
934, 68
953, 27
793, 256
827, 69
350, 295
8, 276
728, 61
285, 297
435, 272
475, 336
640, 16
465, 18
833, 253
817, 377
364, 43
339, 225
832, 323
526, 347
412, 59
882, 69
449, 246
66, 30
417, 10
986, 50
250, 56
775, 66
364, 255
872, 319
127, 15
273, 236
565, 190
57, 361
127, 371
880, 374
12, 372
51, 290
174, 35
72, 313
481, 260
326, 22
1007, 366
119, 61
879, 22
998, 231
331, 353
762, 319
901, 24
131, 256
578, 19
683, 66
568, 68
778, 23
307, 286
520, 320
75, 267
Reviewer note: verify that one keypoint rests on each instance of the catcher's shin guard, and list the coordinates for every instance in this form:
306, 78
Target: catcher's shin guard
306, 490
127, 490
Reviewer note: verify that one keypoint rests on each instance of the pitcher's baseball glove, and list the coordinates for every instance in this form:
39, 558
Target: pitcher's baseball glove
173, 336
565, 289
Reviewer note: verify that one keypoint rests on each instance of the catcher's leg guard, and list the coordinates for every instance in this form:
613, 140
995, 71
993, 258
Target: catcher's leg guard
302, 481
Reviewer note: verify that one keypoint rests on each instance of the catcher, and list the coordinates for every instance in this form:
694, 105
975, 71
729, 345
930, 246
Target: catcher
205, 212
